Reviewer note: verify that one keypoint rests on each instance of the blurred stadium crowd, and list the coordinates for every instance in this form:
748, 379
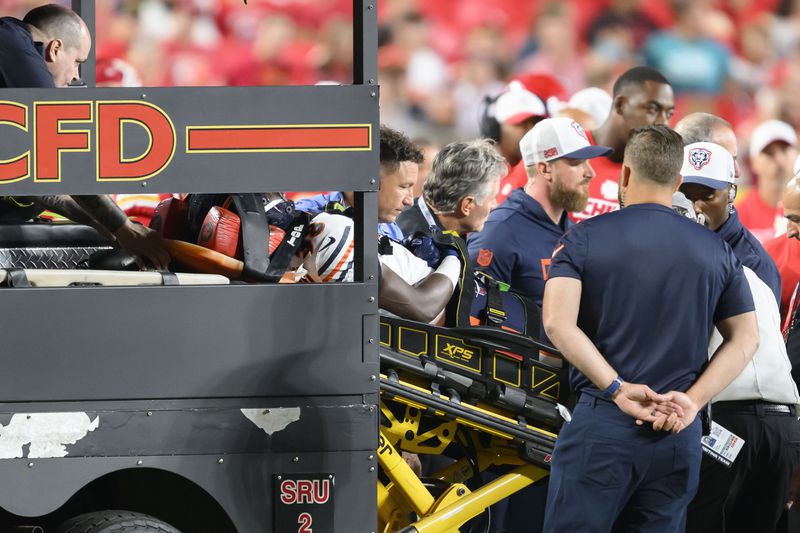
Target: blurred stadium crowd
739, 59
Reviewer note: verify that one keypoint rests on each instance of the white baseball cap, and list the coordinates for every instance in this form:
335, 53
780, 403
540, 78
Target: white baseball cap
554, 138
708, 164
769, 132
594, 101
518, 104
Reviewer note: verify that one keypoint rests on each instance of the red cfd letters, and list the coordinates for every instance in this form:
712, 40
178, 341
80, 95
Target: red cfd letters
50, 139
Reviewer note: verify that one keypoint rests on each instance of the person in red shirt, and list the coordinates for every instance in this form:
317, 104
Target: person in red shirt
773, 149
516, 111
785, 249
641, 96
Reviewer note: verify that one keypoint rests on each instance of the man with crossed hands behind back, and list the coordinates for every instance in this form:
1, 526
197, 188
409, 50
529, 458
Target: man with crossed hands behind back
630, 302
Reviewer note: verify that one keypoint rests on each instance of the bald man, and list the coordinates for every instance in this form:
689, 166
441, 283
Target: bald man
44, 49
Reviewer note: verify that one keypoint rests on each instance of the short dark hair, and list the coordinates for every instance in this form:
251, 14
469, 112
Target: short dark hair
700, 127
396, 148
56, 22
637, 76
655, 153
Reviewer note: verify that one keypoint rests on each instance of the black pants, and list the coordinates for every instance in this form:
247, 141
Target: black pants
748, 496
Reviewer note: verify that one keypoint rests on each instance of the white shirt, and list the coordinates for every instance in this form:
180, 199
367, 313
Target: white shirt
405, 264
768, 376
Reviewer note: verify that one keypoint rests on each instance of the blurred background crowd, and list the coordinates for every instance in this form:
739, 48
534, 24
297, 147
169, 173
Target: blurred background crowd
739, 59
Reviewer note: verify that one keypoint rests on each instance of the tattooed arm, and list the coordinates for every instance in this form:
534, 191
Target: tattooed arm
100, 212
134, 238
66, 206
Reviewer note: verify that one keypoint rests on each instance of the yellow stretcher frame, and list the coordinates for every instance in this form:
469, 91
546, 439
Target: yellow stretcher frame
405, 504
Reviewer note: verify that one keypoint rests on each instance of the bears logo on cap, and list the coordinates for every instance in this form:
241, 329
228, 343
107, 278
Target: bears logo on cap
699, 157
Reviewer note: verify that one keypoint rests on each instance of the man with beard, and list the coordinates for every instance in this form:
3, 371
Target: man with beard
519, 236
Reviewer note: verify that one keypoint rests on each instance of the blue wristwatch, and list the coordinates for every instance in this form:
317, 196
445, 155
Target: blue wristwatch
614, 387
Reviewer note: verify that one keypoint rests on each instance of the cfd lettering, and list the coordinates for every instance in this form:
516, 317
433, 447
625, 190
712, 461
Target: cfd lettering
305, 491
50, 138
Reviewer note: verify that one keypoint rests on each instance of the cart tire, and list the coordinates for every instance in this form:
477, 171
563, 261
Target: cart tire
114, 522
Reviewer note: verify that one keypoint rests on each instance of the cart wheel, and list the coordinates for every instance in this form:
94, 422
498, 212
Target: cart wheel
115, 521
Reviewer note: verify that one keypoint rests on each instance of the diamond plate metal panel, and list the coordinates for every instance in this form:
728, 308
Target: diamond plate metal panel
48, 258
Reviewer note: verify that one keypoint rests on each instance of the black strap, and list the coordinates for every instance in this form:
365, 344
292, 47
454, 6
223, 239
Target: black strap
289, 247
250, 208
533, 315
458, 308
495, 314
385, 245
169, 278
17, 278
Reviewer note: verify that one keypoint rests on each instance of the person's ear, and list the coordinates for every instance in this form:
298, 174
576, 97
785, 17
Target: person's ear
678, 184
545, 169
624, 176
466, 205
53, 49
732, 193
619, 104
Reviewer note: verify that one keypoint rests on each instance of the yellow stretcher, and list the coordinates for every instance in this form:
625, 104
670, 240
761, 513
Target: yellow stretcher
484, 397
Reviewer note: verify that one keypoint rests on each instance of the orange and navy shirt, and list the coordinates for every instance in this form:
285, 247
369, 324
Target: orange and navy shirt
516, 244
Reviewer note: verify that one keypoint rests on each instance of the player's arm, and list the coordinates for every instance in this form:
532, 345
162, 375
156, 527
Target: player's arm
134, 238
422, 302
67, 207
562, 297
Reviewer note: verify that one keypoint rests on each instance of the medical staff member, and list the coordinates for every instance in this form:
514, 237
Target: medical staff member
400, 161
715, 201
630, 302
758, 407
459, 193
519, 236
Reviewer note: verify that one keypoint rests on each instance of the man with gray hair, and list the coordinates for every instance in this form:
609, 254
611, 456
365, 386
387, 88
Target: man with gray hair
459, 193
520, 236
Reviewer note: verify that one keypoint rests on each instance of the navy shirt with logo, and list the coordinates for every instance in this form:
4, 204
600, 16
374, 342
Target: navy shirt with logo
746, 247
516, 244
653, 285
21, 60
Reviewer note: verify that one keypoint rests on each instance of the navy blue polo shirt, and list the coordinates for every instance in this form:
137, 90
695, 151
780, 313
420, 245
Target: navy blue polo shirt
653, 286
21, 60
750, 252
516, 244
